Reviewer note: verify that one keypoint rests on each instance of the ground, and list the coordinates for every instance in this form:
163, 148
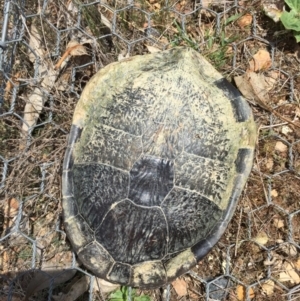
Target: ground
258, 256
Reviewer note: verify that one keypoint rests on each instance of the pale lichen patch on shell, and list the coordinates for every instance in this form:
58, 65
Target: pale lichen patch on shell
79, 231
181, 262
150, 273
96, 258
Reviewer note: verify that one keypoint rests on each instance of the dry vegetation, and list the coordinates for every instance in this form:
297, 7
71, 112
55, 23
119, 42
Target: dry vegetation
258, 258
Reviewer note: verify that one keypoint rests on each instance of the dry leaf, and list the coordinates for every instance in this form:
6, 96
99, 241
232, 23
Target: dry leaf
292, 250
11, 208
289, 274
207, 3
297, 264
281, 147
241, 293
73, 49
10, 84
157, 6
270, 79
252, 86
272, 11
260, 61
270, 164
255, 87
5, 266
180, 286
288, 249
269, 262
193, 296
38, 97
278, 223
244, 21
261, 238
152, 49
122, 57
274, 193
268, 287
286, 130
105, 286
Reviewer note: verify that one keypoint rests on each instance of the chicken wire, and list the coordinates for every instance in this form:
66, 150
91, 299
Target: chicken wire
260, 249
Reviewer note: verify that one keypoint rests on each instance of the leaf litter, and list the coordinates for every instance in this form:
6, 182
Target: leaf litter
210, 266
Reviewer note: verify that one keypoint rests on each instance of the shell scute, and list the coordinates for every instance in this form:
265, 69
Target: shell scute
133, 233
151, 179
96, 188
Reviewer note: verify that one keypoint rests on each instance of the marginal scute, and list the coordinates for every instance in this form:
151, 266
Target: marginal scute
69, 160
120, 273
180, 264
240, 109
150, 273
70, 208
242, 160
96, 259
79, 232
159, 151
67, 183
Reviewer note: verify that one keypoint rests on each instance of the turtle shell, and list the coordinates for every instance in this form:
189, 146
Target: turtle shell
160, 148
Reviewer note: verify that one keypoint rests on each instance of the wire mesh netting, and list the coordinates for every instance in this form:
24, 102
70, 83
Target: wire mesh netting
48, 52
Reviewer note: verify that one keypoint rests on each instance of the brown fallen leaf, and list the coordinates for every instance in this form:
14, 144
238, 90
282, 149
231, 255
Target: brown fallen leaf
274, 193
241, 293
152, 49
39, 95
10, 84
244, 21
180, 286
260, 61
73, 49
11, 208
281, 147
105, 286
289, 273
261, 238
272, 11
278, 223
297, 264
270, 79
268, 287
193, 296
254, 87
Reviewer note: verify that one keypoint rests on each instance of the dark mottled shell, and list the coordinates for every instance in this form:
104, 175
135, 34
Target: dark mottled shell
160, 148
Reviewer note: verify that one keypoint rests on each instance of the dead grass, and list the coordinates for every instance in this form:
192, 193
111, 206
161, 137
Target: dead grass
30, 198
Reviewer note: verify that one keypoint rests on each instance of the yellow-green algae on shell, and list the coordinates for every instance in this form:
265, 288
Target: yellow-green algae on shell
160, 148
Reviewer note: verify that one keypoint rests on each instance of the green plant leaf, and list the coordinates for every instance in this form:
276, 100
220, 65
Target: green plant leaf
142, 298
294, 5
232, 18
116, 296
297, 36
291, 20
